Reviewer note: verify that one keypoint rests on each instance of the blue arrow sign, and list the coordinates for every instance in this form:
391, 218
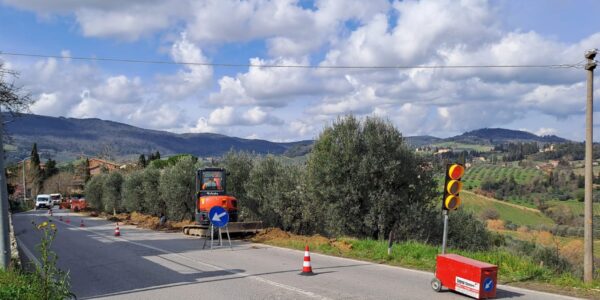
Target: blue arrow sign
218, 216
488, 284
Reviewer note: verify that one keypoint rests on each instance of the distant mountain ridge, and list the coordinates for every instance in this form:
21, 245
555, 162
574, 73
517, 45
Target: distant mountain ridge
67, 138
487, 136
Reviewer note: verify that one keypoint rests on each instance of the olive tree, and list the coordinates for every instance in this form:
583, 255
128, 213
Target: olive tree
111, 192
239, 165
177, 189
93, 191
274, 189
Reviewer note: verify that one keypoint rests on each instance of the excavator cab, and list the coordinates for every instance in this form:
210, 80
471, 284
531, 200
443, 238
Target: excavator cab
211, 182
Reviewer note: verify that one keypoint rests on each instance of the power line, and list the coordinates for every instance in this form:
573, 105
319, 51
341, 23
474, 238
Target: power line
234, 65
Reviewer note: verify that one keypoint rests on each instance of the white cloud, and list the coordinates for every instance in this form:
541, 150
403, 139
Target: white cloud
193, 78
229, 116
546, 131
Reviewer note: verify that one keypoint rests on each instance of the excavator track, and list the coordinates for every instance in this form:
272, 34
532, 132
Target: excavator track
234, 228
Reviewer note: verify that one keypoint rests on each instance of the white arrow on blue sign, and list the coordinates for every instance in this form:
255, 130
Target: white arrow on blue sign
218, 216
488, 284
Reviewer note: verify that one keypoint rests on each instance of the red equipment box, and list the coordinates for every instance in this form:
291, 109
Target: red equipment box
464, 275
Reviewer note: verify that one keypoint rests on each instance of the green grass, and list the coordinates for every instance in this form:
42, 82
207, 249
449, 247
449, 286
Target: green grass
477, 174
520, 216
17, 285
512, 268
575, 206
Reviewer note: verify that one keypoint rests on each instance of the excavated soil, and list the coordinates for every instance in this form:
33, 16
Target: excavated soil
276, 236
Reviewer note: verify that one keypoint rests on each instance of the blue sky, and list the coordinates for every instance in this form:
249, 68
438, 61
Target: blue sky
293, 104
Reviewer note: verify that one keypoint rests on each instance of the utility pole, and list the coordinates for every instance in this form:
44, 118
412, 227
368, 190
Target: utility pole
588, 230
4, 226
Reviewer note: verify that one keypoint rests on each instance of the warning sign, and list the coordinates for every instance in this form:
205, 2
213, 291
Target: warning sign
467, 287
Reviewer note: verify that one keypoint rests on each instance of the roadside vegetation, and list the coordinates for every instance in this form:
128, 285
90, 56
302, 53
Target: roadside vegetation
46, 282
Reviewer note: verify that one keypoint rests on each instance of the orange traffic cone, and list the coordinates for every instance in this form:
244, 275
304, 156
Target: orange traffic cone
117, 231
306, 268
50, 212
81, 224
68, 220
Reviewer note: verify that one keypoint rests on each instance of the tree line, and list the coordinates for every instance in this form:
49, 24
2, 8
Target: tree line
360, 180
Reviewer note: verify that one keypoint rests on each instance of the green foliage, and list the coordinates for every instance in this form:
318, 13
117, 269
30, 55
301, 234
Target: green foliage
35, 171
153, 202
111, 192
53, 282
133, 192
142, 161
362, 180
93, 191
19, 285
273, 188
177, 189
50, 168
239, 165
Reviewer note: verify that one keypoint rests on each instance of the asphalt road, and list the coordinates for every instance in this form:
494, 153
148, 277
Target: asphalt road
143, 264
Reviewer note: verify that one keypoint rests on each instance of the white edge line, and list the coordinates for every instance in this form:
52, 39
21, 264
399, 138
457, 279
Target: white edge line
310, 294
242, 274
413, 270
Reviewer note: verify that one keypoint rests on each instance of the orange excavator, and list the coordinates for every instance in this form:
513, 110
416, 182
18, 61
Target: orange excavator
211, 190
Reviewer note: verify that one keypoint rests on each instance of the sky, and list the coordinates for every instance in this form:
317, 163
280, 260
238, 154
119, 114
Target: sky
289, 104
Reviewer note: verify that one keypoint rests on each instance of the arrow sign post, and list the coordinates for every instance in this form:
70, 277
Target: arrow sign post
219, 218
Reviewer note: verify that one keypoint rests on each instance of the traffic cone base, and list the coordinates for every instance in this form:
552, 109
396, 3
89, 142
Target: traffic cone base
117, 230
306, 267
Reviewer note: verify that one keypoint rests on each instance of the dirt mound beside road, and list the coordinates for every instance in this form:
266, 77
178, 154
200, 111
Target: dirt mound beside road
278, 237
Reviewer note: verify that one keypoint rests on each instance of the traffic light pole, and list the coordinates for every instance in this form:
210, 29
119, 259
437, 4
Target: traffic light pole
445, 236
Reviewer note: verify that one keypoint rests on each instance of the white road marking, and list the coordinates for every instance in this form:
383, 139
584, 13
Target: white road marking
241, 274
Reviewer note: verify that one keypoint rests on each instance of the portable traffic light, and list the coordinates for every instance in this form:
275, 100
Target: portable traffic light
452, 186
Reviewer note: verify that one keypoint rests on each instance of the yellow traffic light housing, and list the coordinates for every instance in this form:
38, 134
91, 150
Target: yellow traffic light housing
452, 186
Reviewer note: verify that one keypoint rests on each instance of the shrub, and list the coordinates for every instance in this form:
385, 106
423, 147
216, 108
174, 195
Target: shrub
495, 224
133, 193
177, 189
111, 192
93, 191
490, 213
153, 203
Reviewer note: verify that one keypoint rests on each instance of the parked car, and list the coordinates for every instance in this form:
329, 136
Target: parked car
56, 199
43, 201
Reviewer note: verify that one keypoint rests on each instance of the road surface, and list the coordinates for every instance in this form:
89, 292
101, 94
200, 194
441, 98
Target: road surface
143, 264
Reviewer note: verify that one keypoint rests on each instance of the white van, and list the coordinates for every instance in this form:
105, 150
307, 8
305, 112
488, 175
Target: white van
56, 199
43, 201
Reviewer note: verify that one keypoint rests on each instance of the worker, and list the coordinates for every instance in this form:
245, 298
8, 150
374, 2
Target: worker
218, 182
210, 184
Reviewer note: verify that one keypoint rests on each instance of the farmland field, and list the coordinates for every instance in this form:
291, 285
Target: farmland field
461, 146
508, 212
479, 173
575, 206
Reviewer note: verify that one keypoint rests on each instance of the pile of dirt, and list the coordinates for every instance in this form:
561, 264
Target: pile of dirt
271, 234
144, 221
276, 236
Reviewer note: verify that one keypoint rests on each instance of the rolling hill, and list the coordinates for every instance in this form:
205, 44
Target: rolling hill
67, 138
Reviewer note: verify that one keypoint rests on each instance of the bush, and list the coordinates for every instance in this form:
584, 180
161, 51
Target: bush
362, 180
273, 187
177, 189
490, 213
93, 191
133, 193
153, 203
239, 165
111, 192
